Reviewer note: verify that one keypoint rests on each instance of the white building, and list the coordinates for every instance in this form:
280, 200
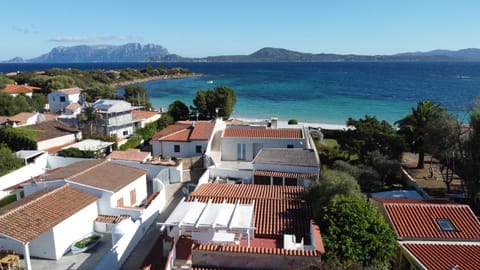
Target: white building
46, 223
116, 118
52, 134
245, 142
183, 139
58, 100
286, 167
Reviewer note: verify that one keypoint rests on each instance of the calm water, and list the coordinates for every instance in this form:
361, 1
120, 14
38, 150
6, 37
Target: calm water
316, 92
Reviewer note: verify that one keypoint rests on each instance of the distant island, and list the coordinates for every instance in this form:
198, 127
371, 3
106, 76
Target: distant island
136, 52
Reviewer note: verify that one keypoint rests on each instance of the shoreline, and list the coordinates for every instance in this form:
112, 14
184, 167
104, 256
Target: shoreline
156, 78
283, 123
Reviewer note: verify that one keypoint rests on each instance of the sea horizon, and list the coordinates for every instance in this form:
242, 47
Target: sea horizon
321, 92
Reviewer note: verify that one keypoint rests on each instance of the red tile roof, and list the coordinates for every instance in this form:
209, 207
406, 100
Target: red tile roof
419, 220
445, 256
71, 91
129, 154
73, 106
111, 219
256, 250
18, 89
257, 132
185, 131
284, 174
141, 115
101, 174
30, 217
278, 209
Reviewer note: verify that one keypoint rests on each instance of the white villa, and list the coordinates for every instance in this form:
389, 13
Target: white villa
183, 139
58, 100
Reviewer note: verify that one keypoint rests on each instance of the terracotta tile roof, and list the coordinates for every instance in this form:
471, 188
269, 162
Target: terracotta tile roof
22, 117
184, 132
51, 129
30, 217
129, 154
101, 174
278, 209
255, 250
444, 256
73, 106
18, 89
285, 174
71, 91
141, 115
258, 132
420, 220
111, 219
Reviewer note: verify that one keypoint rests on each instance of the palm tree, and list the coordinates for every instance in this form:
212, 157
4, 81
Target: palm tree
413, 126
90, 115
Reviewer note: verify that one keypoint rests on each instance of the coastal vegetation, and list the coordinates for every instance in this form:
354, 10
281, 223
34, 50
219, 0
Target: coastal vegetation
356, 235
413, 127
9, 161
213, 103
97, 84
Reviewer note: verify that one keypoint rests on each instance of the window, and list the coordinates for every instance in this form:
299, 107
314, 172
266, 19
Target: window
176, 148
446, 225
62, 99
198, 149
125, 132
241, 150
133, 197
289, 145
120, 202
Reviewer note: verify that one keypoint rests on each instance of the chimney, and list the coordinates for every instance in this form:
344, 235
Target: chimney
274, 122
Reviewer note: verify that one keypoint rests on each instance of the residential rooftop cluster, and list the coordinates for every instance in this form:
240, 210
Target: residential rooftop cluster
245, 208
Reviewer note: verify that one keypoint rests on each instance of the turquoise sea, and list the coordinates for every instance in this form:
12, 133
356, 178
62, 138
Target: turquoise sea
315, 92
329, 92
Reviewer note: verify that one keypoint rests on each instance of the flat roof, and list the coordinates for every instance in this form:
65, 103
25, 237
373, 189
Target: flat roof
90, 145
287, 156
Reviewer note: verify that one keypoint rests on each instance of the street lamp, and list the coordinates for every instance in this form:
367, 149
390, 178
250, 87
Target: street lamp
216, 111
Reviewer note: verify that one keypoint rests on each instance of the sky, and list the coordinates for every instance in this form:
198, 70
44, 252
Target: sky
193, 28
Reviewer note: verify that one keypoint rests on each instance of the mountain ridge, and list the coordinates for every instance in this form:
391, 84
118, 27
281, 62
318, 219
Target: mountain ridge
137, 52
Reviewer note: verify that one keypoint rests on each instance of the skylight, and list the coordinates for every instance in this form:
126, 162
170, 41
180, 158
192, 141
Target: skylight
446, 225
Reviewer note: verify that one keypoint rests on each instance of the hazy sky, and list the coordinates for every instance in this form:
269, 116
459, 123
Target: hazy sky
195, 28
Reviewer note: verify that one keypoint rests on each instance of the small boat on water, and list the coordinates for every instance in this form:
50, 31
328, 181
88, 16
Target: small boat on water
210, 82
86, 242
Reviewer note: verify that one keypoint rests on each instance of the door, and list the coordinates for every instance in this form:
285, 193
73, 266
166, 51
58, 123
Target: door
241, 151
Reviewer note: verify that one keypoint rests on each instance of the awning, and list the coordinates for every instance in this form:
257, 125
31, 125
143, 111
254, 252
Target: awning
285, 174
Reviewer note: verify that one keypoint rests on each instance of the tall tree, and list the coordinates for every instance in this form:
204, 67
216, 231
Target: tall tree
137, 95
368, 135
413, 126
331, 184
443, 136
178, 110
217, 102
90, 115
354, 232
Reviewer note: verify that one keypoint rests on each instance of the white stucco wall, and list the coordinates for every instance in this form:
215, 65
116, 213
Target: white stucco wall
140, 186
285, 168
22, 174
56, 241
229, 146
187, 149
56, 105
58, 141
